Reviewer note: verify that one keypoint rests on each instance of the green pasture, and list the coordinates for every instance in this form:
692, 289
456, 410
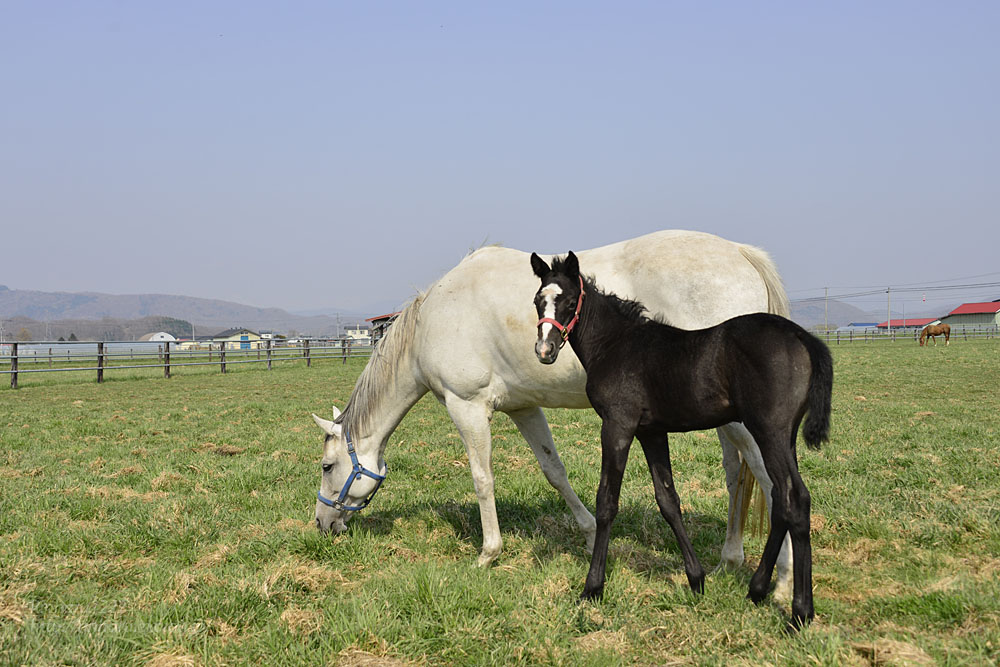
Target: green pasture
169, 522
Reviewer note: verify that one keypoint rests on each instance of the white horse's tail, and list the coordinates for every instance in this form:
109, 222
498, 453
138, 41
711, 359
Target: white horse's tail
777, 299
777, 303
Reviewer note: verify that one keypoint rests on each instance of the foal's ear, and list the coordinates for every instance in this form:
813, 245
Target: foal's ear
572, 265
539, 266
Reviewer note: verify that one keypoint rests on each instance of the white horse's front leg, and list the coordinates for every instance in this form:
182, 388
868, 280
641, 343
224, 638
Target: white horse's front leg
473, 422
535, 429
740, 437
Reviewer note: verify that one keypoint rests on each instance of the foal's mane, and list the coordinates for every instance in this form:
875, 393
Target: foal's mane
630, 309
379, 375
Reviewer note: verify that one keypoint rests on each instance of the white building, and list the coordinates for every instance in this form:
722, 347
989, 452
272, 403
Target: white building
158, 337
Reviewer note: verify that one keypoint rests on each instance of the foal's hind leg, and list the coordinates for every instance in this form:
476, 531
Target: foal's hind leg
735, 435
790, 512
657, 453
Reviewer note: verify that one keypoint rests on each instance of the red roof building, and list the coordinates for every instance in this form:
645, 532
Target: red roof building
974, 315
381, 324
988, 308
908, 322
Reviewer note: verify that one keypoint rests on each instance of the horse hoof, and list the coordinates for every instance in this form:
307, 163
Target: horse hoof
802, 615
783, 591
756, 594
589, 595
697, 583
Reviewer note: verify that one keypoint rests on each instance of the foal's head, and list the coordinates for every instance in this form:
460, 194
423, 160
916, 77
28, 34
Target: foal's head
558, 303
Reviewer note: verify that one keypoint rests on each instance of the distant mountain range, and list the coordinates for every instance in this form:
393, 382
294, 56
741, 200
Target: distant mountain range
837, 314
98, 316
209, 316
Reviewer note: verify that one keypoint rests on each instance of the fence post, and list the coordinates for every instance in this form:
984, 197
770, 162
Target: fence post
100, 363
13, 365
268, 355
344, 346
222, 355
50, 357
166, 359
305, 352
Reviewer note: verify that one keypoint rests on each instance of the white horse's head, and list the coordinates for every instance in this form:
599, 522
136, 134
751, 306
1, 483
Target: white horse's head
346, 484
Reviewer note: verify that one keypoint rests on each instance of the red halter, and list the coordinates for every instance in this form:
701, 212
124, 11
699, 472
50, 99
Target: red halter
564, 330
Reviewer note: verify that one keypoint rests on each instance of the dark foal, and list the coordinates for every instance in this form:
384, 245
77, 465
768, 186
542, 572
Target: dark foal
646, 379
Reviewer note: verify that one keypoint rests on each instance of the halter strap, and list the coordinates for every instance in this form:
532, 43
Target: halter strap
565, 330
357, 471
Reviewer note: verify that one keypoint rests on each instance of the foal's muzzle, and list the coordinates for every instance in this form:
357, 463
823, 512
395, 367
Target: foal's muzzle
546, 351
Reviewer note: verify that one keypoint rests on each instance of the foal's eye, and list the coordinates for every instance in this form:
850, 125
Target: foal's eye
327, 467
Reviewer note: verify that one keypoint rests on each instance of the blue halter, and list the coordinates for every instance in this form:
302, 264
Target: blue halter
357, 471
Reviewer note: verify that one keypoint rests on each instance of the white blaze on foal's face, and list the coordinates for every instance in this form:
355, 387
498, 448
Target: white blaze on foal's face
549, 294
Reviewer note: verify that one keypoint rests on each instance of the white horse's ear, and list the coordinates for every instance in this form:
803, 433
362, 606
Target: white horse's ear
328, 427
336, 412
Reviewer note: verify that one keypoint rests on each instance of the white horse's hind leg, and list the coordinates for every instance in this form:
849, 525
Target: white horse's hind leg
473, 422
740, 438
732, 548
535, 429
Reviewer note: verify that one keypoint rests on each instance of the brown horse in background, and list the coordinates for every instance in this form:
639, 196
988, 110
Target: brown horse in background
935, 330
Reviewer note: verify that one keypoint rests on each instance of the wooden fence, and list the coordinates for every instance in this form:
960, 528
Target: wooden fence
101, 357
904, 335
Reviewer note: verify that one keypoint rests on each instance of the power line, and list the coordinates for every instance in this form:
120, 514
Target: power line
903, 290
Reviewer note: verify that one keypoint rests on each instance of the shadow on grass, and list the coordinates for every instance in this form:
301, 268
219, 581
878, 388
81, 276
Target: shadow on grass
640, 538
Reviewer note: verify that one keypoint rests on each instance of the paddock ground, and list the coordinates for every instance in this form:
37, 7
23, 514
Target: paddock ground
169, 522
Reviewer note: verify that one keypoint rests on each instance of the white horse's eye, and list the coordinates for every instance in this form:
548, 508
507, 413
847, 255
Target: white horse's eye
327, 467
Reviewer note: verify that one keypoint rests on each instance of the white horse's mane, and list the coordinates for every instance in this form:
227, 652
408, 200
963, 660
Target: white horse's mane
380, 373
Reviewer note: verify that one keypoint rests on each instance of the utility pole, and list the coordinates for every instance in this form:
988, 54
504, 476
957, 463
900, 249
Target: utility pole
888, 308
826, 309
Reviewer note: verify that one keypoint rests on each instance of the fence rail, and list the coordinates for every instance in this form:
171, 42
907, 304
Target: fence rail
43, 356
904, 335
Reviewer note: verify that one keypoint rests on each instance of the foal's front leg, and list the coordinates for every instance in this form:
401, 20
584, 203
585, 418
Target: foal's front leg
615, 442
657, 453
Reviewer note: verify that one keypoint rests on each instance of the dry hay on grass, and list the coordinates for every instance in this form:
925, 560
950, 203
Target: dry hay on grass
169, 657
603, 640
885, 651
359, 658
312, 578
221, 450
371, 652
12, 609
303, 622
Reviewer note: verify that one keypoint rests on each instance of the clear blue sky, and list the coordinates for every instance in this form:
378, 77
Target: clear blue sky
315, 154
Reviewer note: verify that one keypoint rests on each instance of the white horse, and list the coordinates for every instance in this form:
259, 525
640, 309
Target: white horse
470, 340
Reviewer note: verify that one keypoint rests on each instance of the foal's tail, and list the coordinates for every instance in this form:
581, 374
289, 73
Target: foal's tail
817, 424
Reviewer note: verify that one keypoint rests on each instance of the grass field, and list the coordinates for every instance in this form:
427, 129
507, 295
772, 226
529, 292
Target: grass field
169, 522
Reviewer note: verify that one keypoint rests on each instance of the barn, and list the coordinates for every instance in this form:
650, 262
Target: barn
380, 325
974, 315
157, 337
239, 339
907, 323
